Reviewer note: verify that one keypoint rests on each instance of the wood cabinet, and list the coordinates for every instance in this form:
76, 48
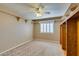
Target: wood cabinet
63, 35
71, 37
69, 33
78, 36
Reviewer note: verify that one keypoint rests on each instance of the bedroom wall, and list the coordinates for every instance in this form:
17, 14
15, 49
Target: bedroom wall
12, 32
55, 36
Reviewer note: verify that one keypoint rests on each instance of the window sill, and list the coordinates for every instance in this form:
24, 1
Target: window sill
46, 32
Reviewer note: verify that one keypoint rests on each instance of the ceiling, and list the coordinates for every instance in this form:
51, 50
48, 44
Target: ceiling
26, 10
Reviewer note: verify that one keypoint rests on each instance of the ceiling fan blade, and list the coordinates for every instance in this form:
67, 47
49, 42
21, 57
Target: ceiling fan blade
47, 12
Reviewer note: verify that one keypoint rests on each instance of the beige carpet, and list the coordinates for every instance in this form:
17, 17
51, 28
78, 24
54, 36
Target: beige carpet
36, 48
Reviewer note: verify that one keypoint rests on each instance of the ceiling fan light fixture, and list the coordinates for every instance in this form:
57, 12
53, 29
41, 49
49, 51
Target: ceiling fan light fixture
38, 14
38, 11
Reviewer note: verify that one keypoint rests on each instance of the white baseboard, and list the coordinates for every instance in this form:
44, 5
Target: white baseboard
47, 40
16, 46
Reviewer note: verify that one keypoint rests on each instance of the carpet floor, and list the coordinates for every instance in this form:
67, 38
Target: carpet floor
36, 48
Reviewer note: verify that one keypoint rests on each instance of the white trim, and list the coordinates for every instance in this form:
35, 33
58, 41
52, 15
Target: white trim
71, 14
15, 46
47, 32
47, 21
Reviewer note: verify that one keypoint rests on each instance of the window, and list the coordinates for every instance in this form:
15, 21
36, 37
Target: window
46, 27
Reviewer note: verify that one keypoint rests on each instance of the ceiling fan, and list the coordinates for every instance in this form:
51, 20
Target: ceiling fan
38, 9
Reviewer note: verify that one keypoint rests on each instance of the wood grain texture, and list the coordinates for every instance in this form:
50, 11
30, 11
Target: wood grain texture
63, 35
78, 36
71, 37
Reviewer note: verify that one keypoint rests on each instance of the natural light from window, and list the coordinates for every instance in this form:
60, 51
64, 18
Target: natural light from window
46, 27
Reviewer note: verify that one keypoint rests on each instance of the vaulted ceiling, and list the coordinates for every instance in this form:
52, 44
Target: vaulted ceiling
26, 10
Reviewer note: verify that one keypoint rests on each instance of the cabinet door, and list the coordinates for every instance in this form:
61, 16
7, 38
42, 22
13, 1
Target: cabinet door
71, 37
63, 35
78, 36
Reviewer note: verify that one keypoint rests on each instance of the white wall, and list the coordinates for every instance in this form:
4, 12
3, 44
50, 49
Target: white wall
55, 36
12, 32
